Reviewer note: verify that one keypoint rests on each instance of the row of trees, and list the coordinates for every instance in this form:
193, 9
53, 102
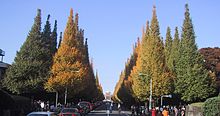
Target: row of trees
40, 65
175, 66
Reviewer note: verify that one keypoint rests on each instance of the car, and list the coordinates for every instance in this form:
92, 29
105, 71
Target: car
69, 112
87, 104
42, 114
81, 110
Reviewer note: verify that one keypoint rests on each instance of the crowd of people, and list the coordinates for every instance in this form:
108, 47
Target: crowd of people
137, 110
46, 106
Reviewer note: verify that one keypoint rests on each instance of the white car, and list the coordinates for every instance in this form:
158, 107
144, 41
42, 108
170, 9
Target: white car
42, 114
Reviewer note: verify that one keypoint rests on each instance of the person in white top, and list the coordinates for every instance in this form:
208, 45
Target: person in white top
119, 108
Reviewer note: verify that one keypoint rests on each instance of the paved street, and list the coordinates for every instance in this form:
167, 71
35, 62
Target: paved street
101, 111
104, 113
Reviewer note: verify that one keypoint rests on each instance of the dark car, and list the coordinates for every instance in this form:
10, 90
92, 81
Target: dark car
86, 106
81, 109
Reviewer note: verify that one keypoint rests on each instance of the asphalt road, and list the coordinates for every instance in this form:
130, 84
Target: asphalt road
102, 111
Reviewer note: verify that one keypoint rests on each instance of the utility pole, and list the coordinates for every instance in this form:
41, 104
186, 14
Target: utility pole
150, 100
56, 98
65, 97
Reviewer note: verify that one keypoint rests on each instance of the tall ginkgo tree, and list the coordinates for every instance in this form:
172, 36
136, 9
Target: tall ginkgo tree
68, 70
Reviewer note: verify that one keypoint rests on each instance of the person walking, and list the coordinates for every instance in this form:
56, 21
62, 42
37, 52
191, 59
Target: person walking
153, 112
132, 110
119, 108
165, 112
111, 106
175, 111
183, 111
159, 113
137, 109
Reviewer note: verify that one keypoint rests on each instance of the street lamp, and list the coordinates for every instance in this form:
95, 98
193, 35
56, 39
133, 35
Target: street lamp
150, 99
65, 94
161, 102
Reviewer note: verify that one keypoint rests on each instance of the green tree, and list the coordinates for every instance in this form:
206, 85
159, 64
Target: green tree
161, 78
49, 45
53, 45
26, 74
174, 56
192, 81
168, 47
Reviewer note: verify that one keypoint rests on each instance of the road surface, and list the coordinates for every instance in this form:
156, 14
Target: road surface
102, 111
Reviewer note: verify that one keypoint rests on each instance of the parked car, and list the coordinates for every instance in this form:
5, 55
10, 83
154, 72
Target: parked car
42, 114
86, 105
81, 110
69, 112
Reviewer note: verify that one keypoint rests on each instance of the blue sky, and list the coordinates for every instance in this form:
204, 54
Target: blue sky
111, 26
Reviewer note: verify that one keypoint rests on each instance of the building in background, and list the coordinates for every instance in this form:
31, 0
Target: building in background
108, 96
3, 65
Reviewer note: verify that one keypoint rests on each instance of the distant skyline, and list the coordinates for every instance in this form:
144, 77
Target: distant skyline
111, 26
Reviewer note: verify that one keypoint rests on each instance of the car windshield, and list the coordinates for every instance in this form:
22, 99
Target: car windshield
71, 110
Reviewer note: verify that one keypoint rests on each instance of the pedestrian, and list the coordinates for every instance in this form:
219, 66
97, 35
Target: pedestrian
132, 110
108, 106
153, 111
171, 111
161, 109
137, 110
165, 112
175, 111
147, 112
111, 105
159, 113
52, 108
42, 105
183, 111
119, 108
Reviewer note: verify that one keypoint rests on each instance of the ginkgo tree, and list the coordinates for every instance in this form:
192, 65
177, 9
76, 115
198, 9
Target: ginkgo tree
72, 69
68, 70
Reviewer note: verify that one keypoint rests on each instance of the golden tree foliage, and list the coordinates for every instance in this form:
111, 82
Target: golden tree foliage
123, 91
68, 69
154, 60
138, 86
151, 64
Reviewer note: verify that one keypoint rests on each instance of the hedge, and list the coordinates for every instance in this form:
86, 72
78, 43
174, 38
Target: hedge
211, 107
